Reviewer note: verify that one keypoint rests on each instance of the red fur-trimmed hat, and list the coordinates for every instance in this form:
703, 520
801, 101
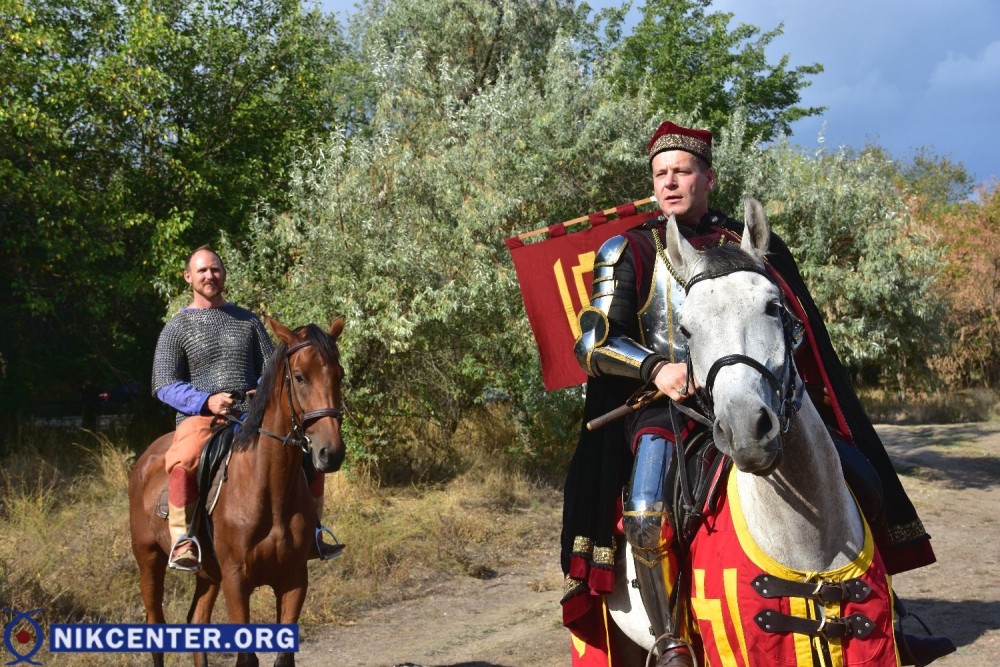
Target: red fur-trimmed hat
670, 136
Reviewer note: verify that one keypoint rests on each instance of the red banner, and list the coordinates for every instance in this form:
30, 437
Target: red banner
555, 277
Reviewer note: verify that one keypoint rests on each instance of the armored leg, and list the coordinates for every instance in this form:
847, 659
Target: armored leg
645, 512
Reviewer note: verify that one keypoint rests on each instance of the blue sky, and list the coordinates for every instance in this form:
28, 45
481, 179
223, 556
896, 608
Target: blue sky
904, 74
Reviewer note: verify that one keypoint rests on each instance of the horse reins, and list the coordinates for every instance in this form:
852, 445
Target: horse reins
297, 436
786, 391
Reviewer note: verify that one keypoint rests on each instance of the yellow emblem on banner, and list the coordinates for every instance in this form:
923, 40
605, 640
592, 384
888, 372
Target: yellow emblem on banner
585, 265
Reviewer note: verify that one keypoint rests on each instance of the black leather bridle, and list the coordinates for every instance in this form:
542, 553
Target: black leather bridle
297, 436
786, 391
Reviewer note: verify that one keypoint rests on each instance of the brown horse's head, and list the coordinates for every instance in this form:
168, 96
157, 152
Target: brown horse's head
310, 397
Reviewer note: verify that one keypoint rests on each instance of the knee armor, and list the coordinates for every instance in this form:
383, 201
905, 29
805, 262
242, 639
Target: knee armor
645, 501
645, 511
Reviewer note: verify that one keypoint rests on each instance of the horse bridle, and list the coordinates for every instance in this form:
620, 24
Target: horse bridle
297, 436
787, 390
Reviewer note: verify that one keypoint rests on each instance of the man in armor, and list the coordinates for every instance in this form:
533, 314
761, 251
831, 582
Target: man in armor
630, 338
207, 363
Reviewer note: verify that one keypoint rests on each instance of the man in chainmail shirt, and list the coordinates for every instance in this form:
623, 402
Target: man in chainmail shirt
208, 358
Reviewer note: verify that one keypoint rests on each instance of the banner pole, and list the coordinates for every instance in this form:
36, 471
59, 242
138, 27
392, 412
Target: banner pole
584, 218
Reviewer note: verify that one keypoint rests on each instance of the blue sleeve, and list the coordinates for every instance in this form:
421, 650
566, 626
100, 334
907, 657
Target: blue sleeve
183, 397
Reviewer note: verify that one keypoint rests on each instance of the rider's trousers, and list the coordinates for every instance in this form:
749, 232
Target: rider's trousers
189, 439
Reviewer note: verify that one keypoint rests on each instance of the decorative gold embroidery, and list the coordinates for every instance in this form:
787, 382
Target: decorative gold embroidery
605, 555
570, 585
683, 142
907, 531
582, 545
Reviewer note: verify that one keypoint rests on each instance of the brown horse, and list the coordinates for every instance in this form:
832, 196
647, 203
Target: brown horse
264, 520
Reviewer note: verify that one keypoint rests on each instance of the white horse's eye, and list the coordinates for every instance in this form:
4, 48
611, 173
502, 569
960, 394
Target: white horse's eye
774, 309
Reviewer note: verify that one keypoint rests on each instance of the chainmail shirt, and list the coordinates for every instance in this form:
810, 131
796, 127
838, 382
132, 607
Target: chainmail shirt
213, 349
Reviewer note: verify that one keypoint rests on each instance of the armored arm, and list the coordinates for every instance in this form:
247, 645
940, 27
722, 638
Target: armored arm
609, 325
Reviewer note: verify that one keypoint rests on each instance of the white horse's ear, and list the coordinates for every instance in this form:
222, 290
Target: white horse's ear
757, 233
681, 253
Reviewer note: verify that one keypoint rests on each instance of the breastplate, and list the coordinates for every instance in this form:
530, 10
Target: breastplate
658, 325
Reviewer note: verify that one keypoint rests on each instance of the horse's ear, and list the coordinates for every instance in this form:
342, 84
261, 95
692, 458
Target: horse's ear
682, 254
757, 232
280, 330
336, 327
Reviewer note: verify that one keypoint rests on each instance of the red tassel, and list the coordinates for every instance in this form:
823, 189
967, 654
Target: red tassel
601, 580
579, 567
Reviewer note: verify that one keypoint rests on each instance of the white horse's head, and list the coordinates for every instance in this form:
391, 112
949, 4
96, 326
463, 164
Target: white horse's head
736, 325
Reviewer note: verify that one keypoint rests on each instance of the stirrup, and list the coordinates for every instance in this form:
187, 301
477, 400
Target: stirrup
670, 642
338, 548
193, 541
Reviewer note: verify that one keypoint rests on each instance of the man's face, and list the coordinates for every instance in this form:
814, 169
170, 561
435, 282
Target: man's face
681, 184
206, 275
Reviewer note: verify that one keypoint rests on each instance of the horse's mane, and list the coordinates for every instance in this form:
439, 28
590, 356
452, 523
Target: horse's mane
246, 436
727, 258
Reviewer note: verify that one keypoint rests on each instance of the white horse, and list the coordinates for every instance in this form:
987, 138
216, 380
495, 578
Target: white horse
791, 508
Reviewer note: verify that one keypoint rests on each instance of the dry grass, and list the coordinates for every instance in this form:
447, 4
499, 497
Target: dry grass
403, 541
65, 536
945, 407
65, 546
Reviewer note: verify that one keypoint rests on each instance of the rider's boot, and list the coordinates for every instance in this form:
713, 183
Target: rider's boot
645, 521
675, 655
922, 650
650, 564
182, 495
324, 550
919, 650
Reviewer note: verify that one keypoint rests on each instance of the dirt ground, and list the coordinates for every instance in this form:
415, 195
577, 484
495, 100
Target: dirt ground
952, 474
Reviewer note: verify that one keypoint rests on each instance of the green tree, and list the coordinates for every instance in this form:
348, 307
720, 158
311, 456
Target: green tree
401, 229
869, 263
129, 132
940, 183
688, 60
